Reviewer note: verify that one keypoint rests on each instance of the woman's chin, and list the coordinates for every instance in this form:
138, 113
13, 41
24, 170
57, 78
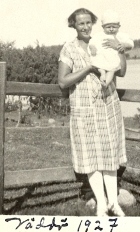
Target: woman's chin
84, 37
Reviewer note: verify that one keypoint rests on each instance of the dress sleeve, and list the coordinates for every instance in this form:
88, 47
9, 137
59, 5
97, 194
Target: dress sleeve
124, 38
65, 56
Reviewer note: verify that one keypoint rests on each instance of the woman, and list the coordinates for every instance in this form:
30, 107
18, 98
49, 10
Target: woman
96, 123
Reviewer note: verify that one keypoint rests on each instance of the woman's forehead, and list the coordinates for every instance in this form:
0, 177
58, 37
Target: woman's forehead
83, 17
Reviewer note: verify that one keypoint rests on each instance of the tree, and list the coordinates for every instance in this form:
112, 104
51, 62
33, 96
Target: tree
38, 65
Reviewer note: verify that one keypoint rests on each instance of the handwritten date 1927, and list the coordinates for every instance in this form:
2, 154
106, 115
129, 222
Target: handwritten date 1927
61, 223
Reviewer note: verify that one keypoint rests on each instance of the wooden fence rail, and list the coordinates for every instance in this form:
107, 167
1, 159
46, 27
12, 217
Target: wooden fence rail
51, 90
32, 89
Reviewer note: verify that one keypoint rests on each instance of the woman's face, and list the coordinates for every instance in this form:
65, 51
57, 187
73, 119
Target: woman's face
83, 26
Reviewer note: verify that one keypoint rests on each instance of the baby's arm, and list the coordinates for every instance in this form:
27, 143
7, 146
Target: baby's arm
126, 42
128, 45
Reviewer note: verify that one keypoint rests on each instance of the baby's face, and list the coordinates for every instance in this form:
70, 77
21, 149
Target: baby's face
111, 28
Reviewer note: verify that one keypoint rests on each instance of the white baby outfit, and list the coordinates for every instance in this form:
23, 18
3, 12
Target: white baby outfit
107, 58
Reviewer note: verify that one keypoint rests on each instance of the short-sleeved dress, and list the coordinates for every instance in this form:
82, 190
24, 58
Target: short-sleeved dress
96, 122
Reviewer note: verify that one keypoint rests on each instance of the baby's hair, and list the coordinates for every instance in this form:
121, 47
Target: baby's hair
72, 17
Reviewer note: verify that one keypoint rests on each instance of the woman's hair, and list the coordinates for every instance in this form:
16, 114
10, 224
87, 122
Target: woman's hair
72, 17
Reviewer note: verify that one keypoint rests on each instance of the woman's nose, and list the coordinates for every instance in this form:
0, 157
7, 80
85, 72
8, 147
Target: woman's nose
85, 26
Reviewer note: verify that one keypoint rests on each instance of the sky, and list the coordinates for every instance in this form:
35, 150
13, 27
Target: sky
45, 21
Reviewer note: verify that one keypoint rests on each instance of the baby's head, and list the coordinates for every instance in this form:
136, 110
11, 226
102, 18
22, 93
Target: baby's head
110, 22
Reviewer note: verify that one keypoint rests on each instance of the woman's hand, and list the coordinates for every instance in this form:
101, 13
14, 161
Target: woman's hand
110, 43
121, 48
113, 43
94, 70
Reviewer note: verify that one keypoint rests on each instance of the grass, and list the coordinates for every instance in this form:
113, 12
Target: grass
30, 148
132, 122
36, 148
48, 147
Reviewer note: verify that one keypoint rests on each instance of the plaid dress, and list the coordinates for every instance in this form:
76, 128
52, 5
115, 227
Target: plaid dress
96, 122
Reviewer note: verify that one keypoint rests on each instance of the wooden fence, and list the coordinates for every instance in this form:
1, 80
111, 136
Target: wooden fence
24, 177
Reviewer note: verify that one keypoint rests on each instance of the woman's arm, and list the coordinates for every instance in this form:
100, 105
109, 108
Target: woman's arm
66, 78
121, 72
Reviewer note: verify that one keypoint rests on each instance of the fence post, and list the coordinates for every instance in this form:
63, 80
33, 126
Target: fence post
2, 130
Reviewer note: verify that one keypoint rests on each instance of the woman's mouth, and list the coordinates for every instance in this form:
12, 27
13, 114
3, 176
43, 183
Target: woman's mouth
86, 32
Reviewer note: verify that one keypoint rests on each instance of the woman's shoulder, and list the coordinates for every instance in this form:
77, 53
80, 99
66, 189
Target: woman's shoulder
69, 44
67, 53
69, 47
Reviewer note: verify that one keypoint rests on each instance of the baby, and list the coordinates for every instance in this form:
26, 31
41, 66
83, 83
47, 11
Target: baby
104, 58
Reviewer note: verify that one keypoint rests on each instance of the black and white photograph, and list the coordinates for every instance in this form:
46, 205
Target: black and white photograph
70, 115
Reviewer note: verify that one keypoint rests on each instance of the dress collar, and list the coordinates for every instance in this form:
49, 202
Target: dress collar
85, 55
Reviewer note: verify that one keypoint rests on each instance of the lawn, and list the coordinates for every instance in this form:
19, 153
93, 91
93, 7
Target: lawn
34, 148
46, 146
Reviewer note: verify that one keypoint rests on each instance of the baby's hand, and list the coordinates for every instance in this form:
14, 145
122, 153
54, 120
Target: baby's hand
93, 50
